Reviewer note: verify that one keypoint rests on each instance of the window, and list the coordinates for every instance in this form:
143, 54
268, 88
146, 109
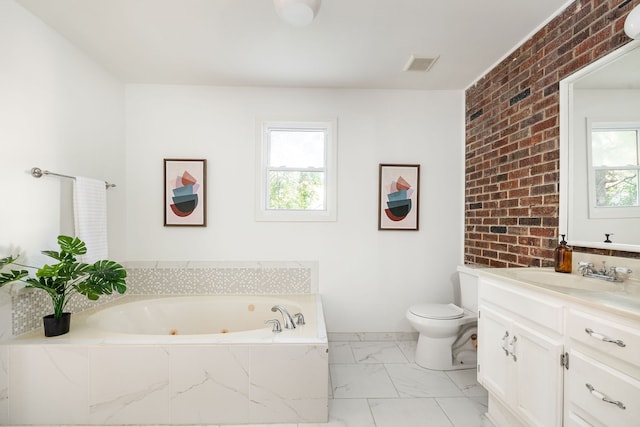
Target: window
614, 170
297, 171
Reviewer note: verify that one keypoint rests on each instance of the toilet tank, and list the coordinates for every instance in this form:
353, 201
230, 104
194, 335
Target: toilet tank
468, 276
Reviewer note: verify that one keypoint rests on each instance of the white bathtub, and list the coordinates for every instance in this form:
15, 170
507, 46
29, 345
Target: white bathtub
226, 318
174, 360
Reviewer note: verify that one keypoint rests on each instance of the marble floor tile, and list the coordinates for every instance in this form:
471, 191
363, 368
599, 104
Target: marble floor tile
377, 352
257, 425
341, 352
417, 412
251, 425
413, 381
347, 413
361, 381
467, 381
408, 348
464, 411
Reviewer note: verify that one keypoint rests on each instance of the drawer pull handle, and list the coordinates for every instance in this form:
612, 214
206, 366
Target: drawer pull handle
513, 348
604, 338
504, 343
604, 397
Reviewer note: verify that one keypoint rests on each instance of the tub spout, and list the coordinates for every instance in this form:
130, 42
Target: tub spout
288, 320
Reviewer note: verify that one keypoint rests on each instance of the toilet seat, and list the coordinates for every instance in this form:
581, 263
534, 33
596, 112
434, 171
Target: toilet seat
437, 311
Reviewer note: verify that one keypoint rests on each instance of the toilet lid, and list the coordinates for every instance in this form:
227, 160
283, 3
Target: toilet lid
437, 311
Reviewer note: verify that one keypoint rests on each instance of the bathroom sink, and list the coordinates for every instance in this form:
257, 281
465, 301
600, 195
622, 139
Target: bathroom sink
547, 277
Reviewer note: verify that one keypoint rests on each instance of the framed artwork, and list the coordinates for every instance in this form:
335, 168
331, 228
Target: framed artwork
184, 192
398, 197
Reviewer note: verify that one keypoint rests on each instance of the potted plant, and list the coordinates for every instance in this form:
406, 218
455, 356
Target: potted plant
66, 277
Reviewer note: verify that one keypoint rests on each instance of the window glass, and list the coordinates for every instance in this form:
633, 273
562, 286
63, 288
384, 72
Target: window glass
293, 148
614, 169
614, 147
298, 190
616, 187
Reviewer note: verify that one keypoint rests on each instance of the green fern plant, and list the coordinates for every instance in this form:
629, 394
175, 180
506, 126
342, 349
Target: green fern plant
68, 276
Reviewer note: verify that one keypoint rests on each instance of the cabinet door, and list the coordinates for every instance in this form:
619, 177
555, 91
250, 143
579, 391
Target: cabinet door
494, 370
536, 360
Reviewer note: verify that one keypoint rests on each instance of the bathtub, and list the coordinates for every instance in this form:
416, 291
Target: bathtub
227, 318
174, 360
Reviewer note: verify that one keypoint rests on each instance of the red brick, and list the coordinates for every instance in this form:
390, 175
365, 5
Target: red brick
522, 141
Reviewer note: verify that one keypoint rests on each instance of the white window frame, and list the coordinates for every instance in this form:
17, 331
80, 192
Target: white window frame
606, 211
262, 168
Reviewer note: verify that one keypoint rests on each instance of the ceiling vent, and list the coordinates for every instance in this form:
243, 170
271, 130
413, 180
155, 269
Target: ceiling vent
420, 63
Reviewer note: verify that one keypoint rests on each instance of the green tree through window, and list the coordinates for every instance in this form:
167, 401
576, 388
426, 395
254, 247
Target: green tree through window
295, 190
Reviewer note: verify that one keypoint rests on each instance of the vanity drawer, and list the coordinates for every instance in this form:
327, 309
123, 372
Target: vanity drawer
531, 306
574, 420
588, 382
612, 336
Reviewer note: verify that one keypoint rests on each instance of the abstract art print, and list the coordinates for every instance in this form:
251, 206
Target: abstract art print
184, 192
399, 196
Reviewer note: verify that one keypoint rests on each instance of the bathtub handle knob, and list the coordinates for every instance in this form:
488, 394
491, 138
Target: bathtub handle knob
299, 318
276, 325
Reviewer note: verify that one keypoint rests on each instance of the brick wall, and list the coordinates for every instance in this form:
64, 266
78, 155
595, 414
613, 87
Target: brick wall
512, 136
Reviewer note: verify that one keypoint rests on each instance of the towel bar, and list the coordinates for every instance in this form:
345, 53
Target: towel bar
37, 173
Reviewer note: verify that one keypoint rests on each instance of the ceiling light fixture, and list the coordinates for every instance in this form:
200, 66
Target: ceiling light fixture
632, 24
297, 12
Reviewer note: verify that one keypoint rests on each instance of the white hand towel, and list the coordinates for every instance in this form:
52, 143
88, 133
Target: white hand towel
90, 215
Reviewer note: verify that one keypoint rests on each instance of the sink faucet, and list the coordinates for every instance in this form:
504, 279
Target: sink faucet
586, 268
288, 320
609, 274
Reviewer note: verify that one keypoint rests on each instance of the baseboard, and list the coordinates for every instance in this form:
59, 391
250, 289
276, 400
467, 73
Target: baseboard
372, 336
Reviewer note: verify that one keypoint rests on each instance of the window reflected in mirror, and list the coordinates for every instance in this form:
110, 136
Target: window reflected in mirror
614, 169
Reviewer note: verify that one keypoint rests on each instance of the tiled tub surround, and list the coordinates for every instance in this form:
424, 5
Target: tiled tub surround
93, 376
173, 278
89, 371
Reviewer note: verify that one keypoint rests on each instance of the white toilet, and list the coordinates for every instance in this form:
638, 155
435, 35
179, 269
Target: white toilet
447, 332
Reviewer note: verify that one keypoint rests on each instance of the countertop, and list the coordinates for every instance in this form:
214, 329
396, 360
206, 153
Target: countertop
622, 299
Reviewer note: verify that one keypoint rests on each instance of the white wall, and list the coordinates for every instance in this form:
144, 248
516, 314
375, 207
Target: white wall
59, 111
62, 112
367, 277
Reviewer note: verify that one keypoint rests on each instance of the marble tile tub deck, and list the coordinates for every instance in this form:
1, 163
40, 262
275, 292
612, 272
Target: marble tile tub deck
374, 382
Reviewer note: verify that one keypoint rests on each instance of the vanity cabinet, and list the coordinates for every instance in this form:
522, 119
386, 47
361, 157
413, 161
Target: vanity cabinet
554, 359
519, 358
601, 384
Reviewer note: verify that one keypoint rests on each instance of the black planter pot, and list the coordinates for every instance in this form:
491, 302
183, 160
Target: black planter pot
54, 326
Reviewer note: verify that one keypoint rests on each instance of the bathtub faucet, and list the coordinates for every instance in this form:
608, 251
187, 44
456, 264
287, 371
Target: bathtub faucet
288, 320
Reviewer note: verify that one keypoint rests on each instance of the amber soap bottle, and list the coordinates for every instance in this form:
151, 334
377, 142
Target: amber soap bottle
562, 257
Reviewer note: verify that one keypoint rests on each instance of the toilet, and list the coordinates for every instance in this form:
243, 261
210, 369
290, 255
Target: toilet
448, 333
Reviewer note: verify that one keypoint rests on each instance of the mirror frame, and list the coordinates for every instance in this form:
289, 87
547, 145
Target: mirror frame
566, 159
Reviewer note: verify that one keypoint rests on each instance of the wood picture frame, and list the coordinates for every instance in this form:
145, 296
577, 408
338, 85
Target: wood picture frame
185, 185
399, 197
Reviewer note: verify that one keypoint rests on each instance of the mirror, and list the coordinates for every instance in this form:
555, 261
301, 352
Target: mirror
604, 94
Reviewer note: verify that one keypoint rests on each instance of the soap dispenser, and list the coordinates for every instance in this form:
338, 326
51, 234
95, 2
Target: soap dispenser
562, 257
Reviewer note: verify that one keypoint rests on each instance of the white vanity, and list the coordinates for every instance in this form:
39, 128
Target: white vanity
559, 349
